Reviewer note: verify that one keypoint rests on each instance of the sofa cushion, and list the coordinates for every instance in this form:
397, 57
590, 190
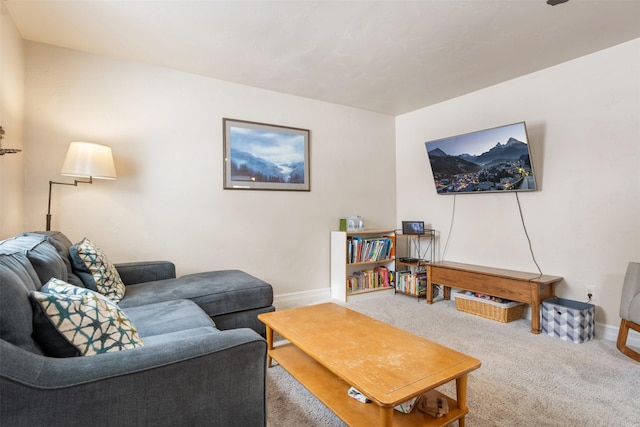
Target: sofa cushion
96, 271
17, 279
166, 317
216, 292
44, 258
62, 244
72, 321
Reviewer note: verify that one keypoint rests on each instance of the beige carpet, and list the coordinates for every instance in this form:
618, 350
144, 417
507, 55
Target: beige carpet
524, 380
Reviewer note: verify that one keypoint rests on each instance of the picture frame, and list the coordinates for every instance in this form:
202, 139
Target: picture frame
261, 156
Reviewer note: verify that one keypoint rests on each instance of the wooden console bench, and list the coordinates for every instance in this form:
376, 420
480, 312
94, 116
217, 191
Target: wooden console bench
529, 288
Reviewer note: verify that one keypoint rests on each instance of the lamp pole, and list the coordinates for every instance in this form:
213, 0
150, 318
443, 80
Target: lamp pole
75, 184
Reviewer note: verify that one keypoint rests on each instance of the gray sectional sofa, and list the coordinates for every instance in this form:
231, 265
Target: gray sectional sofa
202, 362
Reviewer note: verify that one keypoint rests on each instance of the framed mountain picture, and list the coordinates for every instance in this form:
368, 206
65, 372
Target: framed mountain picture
260, 156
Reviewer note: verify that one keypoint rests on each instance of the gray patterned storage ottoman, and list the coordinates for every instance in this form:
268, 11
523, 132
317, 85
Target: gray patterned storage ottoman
568, 320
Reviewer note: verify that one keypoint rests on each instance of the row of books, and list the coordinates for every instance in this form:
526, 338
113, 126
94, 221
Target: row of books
361, 249
411, 283
379, 277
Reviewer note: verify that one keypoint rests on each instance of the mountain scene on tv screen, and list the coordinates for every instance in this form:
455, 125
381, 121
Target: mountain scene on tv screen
504, 167
247, 167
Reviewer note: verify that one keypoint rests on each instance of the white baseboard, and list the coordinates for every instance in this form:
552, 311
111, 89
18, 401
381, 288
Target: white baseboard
609, 332
299, 299
318, 296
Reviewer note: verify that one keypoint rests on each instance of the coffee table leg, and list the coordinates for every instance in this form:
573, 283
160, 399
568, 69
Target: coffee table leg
461, 396
386, 416
269, 334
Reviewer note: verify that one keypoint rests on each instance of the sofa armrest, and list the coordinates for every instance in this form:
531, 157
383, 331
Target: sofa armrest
145, 271
212, 378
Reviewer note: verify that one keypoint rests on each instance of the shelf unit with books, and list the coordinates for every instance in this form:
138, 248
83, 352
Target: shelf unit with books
414, 253
362, 262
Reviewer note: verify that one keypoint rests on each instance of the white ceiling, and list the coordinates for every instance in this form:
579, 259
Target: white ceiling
386, 56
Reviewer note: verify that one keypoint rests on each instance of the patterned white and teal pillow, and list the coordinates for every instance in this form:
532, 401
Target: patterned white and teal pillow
96, 271
73, 321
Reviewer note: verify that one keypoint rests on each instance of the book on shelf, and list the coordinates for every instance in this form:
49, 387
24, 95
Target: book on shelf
368, 249
433, 404
411, 283
378, 277
355, 394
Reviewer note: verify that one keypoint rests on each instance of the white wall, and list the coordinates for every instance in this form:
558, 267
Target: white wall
583, 118
12, 74
165, 130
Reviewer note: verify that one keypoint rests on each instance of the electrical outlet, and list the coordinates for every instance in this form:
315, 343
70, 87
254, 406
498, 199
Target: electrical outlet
591, 290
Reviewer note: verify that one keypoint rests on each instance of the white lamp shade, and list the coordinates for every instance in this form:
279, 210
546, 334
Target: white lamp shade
86, 159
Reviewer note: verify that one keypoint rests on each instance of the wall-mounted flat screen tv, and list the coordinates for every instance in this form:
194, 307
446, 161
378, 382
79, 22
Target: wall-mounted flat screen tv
490, 160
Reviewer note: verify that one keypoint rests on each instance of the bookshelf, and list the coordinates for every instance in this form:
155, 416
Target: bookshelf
414, 253
362, 263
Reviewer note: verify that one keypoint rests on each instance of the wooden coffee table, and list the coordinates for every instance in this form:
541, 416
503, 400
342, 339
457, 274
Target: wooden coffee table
332, 348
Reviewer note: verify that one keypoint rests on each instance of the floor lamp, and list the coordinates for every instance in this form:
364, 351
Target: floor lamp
84, 160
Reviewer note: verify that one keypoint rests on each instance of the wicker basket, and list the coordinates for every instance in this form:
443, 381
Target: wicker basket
502, 312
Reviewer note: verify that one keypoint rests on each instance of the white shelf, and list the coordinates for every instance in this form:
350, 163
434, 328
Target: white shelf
341, 269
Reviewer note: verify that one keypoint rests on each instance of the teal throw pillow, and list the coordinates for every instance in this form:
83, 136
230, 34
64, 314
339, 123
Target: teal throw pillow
96, 271
72, 321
